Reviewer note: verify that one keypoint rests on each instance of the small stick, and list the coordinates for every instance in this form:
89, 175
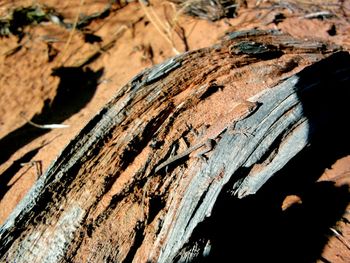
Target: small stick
38, 167
45, 126
240, 112
318, 14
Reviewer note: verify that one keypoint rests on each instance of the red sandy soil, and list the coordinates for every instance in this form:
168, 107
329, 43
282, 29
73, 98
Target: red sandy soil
26, 79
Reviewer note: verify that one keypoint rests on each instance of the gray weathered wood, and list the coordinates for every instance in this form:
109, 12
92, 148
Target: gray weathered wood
100, 200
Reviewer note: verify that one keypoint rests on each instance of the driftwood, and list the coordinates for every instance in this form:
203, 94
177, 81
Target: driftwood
101, 200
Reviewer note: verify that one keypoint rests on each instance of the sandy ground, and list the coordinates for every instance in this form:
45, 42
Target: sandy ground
57, 75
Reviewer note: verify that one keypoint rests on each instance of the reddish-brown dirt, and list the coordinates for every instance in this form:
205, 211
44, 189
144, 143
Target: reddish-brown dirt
126, 41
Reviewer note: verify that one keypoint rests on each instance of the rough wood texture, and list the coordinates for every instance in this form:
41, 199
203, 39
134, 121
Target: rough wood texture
101, 200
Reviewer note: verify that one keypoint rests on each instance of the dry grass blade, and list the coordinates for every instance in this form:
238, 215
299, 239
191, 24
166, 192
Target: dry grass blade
340, 237
60, 61
160, 26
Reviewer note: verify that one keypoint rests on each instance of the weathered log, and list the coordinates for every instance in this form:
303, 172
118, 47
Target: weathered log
101, 199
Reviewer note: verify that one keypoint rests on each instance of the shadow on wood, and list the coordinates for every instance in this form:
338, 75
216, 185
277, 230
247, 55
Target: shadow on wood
101, 200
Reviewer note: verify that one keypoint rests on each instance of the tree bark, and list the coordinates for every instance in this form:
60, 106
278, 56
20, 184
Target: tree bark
101, 200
